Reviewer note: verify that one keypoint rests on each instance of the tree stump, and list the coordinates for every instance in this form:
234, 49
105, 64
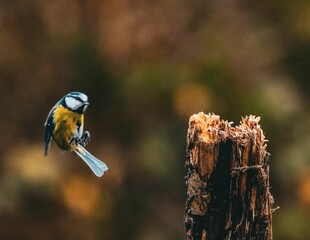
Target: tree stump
228, 191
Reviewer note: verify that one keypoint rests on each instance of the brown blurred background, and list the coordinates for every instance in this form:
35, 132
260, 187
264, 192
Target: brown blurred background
146, 67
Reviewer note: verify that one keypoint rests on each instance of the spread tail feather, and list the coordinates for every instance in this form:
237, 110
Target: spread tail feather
97, 166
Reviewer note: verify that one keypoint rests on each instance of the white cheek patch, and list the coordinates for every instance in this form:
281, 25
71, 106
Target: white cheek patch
72, 103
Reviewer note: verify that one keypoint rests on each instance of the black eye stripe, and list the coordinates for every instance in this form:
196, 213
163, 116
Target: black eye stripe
77, 98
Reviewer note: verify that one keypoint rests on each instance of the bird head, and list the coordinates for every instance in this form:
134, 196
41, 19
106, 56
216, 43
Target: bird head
75, 101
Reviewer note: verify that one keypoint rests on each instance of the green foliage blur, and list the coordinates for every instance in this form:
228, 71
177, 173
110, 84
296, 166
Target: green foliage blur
146, 66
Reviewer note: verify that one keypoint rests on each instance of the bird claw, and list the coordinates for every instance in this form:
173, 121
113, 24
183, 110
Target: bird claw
83, 140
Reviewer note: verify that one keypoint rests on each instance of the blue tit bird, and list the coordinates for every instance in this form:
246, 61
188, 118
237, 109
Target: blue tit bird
65, 124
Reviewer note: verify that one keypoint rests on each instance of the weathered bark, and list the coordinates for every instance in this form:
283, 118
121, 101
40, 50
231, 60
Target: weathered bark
228, 193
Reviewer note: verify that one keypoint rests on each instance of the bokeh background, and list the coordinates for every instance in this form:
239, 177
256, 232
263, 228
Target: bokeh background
146, 66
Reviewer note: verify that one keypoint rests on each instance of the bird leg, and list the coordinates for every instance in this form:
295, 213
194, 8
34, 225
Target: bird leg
83, 140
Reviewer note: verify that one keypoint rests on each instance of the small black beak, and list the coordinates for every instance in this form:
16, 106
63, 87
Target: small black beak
85, 106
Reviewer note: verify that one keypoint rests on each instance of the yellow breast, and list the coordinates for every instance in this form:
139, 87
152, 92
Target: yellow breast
66, 124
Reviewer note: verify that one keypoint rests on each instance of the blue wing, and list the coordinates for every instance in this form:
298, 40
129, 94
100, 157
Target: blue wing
97, 166
49, 128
